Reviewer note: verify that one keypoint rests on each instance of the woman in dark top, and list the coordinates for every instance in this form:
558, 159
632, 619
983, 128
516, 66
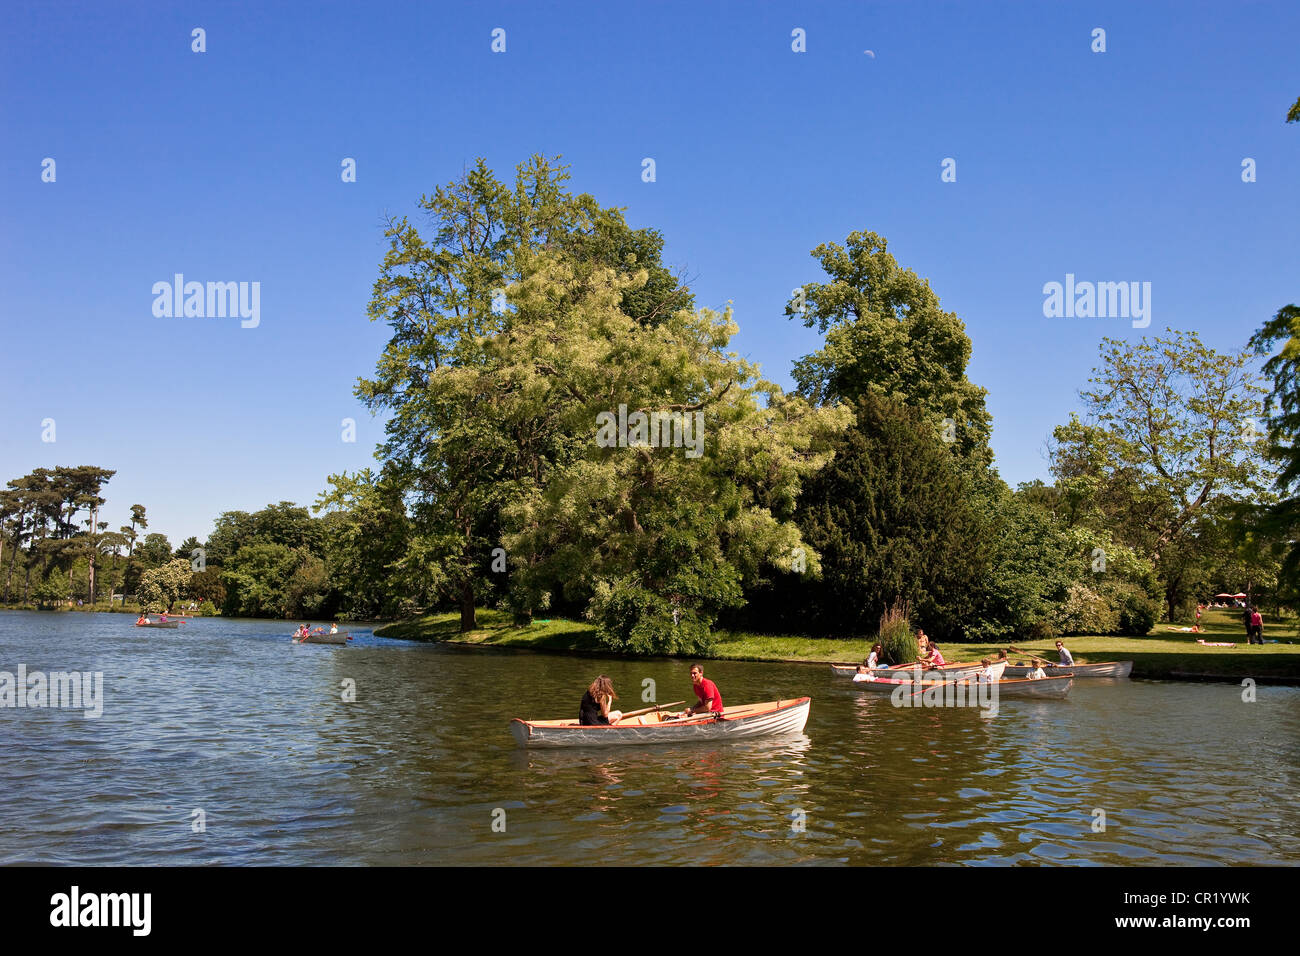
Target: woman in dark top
594, 709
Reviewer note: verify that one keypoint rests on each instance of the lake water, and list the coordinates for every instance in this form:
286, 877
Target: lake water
230, 719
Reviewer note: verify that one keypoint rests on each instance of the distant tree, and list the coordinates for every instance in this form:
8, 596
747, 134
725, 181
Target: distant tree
188, 547
154, 552
257, 580
1172, 443
887, 333
53, 589
161, 587
207, 586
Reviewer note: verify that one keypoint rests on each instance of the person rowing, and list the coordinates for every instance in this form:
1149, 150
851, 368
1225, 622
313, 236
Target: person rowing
706, 691
935, 657
594, 710
334, 628
142, 620
302, 633
1067, 659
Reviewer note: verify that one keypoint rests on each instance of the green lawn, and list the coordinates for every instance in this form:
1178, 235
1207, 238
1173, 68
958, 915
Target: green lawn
1165, 652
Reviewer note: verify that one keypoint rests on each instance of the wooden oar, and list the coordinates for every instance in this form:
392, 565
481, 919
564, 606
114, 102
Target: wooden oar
646, 710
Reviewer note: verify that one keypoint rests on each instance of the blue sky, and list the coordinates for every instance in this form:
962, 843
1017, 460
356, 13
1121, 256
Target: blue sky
225, 166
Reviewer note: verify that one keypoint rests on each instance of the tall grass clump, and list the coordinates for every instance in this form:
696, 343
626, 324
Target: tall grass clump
896, 634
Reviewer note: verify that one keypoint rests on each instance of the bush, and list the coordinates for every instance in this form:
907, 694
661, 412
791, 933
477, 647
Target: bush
1137, 613
632, 620
896, 635
208, 609
1086, 612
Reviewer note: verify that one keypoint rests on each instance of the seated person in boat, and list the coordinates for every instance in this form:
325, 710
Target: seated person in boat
1037, 672
863, 674
935, 657
594, 709
985, 676
142, 619
1067, 659
301, 633
334, 628
706, 691
873, 659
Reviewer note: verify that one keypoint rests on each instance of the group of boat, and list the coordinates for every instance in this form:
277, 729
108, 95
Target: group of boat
657, 725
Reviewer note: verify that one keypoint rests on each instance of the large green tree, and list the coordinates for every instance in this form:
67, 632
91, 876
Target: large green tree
442, 292
1169, 444
659, 519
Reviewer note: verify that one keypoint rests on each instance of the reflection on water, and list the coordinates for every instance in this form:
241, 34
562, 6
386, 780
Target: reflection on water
230, 719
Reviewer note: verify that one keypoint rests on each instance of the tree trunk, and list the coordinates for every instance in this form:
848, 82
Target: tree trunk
13, 558
468, 621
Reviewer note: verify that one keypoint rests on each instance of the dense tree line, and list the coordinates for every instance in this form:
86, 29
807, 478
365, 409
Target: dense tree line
568, 433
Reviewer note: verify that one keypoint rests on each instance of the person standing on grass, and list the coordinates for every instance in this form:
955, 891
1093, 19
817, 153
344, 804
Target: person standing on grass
1245, 620
1257, 626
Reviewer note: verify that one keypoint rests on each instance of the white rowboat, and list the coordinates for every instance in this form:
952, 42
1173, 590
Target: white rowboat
1107, 669
748, 720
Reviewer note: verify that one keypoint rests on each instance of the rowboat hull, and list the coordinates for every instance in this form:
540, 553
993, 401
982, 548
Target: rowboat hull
1045, 688
161, 624
1108, 669
736, 723
947, 671
322, 639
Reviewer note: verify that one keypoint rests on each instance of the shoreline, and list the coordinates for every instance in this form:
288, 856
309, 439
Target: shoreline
1165, 654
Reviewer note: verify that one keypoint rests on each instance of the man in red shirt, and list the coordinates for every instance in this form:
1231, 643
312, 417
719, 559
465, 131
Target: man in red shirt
706, 691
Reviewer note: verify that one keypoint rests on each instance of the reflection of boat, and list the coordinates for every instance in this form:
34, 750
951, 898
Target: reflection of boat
1044, 687
1108, 669
160, 624
748, 720
323, 639
946, 672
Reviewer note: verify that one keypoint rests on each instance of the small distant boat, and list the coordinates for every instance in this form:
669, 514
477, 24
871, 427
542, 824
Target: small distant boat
1106, 669
160, 624
323, 639
748, 720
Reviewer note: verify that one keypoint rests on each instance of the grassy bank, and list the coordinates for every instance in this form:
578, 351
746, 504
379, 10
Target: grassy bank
1166, 653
